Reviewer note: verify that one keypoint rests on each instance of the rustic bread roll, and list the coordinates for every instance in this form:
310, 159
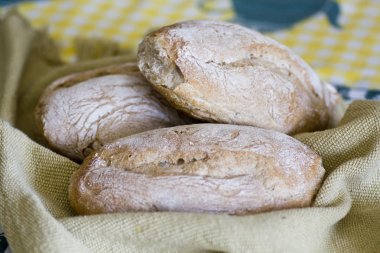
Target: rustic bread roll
80, 112
198, 168
222, 72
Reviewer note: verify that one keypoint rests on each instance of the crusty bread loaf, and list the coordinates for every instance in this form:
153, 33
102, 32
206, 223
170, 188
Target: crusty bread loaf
223, 72
198, 168
80, 112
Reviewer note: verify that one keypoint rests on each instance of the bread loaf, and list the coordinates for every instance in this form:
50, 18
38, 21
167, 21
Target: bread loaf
81, 112
198, 168
223, 72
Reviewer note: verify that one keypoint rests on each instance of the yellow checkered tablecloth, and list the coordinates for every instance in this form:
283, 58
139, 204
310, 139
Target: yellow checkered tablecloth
349, 56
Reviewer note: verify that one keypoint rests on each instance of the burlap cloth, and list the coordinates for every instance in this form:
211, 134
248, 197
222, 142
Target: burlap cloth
36, 216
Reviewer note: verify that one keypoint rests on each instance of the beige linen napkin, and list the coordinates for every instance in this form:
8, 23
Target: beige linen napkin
36, 215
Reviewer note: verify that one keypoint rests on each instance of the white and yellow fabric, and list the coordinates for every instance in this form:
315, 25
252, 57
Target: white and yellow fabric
349, 56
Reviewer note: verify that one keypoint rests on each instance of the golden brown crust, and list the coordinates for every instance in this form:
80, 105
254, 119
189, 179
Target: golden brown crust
72, 79
198, 168
129, 68
81, 112
222, 72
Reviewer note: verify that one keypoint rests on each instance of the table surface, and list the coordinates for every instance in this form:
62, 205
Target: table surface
348, 56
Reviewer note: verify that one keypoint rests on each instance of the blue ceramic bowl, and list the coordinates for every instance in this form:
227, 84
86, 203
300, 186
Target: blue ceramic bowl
278, 14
